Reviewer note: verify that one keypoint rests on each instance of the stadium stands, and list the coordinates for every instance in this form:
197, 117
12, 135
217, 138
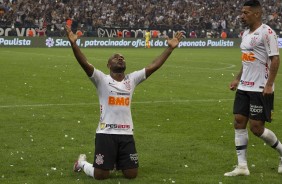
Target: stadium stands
205, 17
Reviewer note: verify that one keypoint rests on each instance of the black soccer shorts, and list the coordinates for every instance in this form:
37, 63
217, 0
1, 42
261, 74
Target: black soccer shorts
112, 150
254, 105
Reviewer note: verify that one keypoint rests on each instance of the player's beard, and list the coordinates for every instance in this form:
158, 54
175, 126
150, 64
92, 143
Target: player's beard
119, 69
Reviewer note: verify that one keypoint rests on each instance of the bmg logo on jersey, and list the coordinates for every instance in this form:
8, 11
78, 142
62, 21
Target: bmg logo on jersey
120, 101
248, 57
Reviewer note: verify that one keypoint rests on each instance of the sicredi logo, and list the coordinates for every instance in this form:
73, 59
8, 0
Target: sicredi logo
49, 42
280, 42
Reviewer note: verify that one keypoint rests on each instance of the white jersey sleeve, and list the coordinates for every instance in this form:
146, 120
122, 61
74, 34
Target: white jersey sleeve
115, 101
270, 41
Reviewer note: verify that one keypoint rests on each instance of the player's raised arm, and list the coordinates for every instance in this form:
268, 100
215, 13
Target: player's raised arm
159, 61
87, 67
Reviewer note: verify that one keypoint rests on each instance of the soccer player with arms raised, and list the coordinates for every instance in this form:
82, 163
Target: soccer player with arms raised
255, 94
114, 142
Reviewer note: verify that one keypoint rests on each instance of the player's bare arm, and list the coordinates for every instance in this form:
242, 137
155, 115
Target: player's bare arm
275, 61
159, 61
87, 67
234, 84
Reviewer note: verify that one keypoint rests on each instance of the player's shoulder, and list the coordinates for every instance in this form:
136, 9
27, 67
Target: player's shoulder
266, 29
98, 73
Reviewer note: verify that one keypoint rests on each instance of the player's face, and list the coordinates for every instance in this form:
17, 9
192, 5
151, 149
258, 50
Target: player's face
251, 16
117, 63
248, 16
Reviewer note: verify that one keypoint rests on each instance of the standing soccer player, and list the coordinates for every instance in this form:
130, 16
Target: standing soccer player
254, 96
147, 39
114, 142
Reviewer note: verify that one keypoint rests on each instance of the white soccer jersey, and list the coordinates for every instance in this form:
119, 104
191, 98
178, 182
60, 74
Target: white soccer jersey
256, 48
115, 100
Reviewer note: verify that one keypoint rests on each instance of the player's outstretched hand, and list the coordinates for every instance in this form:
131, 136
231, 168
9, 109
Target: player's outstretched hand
71, 36
172, 43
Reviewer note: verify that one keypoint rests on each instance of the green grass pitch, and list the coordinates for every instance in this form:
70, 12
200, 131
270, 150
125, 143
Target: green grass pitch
182, 116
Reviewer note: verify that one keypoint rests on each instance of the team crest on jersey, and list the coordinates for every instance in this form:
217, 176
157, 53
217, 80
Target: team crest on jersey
99, 159
127, 84
254, 41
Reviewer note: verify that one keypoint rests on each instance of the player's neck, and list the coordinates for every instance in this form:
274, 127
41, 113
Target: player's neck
117, 76
255, 26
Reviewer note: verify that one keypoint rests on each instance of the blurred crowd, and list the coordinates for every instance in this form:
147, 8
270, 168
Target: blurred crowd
198, 16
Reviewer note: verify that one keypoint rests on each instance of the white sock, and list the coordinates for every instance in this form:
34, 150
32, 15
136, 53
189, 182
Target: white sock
241, 142
88, 168
270, 138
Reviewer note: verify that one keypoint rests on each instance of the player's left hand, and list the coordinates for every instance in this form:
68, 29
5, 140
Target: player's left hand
267, 90
172, 43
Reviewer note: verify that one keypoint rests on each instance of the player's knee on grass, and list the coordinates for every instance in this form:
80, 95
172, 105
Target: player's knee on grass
130, 173
100, 174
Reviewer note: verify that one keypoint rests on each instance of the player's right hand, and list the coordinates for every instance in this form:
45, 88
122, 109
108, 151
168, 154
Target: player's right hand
233, 85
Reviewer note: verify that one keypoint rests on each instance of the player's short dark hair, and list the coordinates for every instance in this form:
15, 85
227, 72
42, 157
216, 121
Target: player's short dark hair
252, 3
